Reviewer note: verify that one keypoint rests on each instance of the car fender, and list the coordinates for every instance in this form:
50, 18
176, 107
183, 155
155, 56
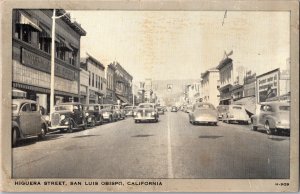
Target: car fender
16, 125
271, 120
254, 120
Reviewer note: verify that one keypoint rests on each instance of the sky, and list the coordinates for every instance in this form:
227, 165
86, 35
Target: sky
168, 45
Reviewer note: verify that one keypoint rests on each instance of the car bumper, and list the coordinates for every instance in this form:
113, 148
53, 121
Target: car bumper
144, 118
205, 120
58, 127
239, 119
285, 127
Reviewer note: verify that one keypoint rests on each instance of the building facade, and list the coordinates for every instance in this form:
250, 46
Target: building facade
84, 86
110, 85
209, 91
123, 85
31, 45
97, 82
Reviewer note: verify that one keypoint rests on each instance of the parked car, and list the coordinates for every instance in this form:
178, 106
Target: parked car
189, 108
27, 120
93, 114
128, 110
203, 112
273, 117
68, 116
109, 113
183, 108
120, 111
146, 112
174, 109
160, 110
165, 109
222, 110
236, 114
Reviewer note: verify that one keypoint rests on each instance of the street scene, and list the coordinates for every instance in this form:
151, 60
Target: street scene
150, 94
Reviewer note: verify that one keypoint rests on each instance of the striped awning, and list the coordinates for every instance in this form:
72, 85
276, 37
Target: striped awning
24, 20
46, 34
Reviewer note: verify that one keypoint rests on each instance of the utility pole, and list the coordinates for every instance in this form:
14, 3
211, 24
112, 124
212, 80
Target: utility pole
53, 62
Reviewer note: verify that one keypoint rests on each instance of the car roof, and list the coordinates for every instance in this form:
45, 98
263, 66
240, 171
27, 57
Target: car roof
20, 101
275, 103
69, 103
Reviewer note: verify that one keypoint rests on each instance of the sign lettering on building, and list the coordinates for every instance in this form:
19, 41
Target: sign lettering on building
267, 86
35, 61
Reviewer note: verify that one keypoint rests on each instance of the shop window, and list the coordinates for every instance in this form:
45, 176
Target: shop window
23, 32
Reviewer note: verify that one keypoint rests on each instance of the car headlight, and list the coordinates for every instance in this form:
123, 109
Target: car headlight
153, 113
47, 118
86, 114
62, 117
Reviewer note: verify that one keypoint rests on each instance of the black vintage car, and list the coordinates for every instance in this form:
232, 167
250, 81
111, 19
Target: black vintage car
68, 116
93, 114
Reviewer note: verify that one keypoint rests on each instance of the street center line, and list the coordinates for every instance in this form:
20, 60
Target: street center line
170, 163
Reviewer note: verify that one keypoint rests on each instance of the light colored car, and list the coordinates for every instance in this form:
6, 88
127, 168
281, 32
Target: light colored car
222, 110
203, 112
108, 112
160, 110
146, 112
129, 110
189, 108
236, 114
174, 109
120, 111
27, 120
273, 117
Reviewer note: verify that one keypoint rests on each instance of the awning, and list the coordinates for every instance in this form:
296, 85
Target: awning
123, 99
26, 21
18, 93
46, 34
248, 102
65, 46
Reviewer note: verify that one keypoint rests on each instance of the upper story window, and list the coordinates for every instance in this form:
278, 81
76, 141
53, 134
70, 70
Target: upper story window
26, 27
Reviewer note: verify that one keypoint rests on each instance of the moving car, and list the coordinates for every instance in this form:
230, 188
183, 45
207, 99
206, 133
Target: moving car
27, 120
93, 114
273, 117
108, 112
68, 116
236, 114
222, 110
129, 110
203, 112
160, 110
146, 112
174, 109
120, 111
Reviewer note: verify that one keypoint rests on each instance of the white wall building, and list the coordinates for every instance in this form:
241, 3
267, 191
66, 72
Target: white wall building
209, 91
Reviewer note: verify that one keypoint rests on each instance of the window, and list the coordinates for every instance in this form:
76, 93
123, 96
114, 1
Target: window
26, 108
93, 79
23, 32
33, 107
89, 78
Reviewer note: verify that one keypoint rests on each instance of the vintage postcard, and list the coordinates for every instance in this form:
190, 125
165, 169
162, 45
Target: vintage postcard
149, 96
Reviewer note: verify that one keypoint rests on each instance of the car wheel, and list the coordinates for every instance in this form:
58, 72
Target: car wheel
110, 119
136, 121
14, 137
252, 127
215, 123
43, 132
268, 129
93, 122
85, 124
71, 126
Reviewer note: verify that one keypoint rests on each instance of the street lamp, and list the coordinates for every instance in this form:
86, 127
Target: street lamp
52, 61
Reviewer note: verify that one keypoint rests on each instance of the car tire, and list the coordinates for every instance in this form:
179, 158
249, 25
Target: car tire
136, 121
14, 137
42, 135
215, 123
110, 119
84, 126
252, 127
71, 126
93, 122
268, 129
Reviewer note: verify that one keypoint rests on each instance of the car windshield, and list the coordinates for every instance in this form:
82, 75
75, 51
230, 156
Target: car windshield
128, 107
284, 108
145, 106
14, 107
106, 107
64, 107
237, 107
203, 106
88, 108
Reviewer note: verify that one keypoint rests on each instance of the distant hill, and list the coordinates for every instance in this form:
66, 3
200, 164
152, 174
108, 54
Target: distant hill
173, 95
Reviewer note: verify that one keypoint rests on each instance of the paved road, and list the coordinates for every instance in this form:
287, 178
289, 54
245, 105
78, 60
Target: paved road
171, 148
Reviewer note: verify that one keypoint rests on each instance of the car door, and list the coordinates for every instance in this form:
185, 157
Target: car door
35, 118
26, 124
77, 114
263, 115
